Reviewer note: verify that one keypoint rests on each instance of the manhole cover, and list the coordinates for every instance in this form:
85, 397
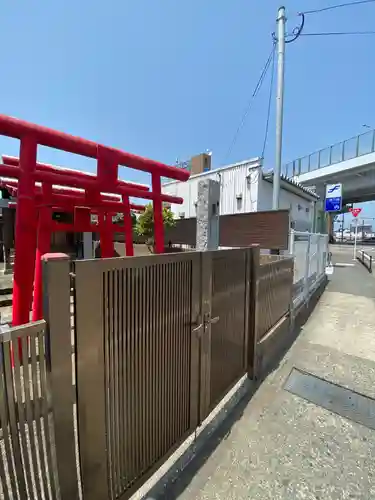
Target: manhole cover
332, 397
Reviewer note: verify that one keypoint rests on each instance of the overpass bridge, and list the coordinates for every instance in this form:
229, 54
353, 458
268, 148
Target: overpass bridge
350, 162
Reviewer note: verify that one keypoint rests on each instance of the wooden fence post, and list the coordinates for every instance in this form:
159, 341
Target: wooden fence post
254, 256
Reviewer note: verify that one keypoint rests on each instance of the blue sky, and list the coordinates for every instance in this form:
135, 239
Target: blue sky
168, 78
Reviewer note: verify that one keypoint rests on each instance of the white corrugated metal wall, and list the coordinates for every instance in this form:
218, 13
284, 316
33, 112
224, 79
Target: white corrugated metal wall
239, 191
242, 190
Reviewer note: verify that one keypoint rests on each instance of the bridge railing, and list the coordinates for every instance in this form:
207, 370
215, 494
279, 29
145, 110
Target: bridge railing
359, 145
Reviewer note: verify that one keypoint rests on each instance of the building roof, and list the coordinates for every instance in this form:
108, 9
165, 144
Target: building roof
251, 162
287, 184
292, 186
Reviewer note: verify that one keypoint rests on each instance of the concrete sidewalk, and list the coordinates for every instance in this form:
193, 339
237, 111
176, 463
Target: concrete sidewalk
276, 445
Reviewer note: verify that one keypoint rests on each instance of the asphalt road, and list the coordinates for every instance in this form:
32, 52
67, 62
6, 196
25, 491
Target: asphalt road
349, 275
349, 249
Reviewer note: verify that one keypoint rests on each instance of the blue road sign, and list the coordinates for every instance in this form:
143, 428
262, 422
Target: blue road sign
333, 202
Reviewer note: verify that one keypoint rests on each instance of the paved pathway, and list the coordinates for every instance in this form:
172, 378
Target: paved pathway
280, 446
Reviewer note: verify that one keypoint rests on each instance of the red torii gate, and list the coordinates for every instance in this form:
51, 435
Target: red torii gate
27, 171
60, 199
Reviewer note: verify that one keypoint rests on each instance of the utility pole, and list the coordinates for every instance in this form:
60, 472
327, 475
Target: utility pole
281, 19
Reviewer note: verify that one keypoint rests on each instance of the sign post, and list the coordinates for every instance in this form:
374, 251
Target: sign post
355, 239
355, 212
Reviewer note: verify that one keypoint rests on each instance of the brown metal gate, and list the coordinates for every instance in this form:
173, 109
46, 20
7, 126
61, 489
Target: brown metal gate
149, 346
225, 305
137, 366
159, 341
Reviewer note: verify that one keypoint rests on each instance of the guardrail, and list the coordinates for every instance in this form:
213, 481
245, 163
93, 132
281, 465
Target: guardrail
359, 145
365, 259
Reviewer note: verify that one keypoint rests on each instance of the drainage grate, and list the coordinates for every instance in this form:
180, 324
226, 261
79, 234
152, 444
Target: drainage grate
332, 397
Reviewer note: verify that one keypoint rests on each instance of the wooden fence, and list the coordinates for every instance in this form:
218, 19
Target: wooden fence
274, 295
268, 229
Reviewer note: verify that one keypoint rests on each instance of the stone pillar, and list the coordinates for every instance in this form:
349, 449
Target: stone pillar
88, 250
208, 206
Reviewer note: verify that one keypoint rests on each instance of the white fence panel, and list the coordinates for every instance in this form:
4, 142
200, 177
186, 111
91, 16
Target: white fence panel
310, 251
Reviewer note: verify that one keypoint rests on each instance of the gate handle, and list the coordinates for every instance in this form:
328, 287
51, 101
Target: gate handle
210, 321
207, 320
198, 330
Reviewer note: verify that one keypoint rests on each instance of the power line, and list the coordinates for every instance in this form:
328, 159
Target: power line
269, 104
338, 6
339, 33
249, 105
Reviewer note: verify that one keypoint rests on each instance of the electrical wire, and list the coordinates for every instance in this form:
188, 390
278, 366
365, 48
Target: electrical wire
339, 33
338, 6
249, 105
269, 104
